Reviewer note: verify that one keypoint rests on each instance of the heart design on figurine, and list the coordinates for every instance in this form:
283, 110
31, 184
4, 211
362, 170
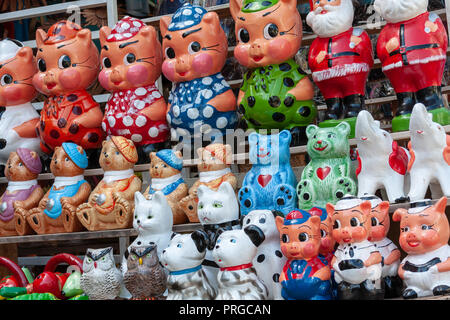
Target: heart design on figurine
264, 179
322, 173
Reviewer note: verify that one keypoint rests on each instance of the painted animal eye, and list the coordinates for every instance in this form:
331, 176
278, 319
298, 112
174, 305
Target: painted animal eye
42, 66
170, 53
285, 238
303, 237
88, 260
217, 205
179, 245
133, 257
6, 79
354, 222
337, 224
270, 31
106, 62
374, 221
129, 58
425, 227
404, 229
323, 234
64, 62
331, 135
262, 219
194, 47
66, 159
243, 35
233, 240
248, 221
200, 205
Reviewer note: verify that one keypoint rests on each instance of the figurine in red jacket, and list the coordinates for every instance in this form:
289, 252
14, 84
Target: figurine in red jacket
412, 48
340, 57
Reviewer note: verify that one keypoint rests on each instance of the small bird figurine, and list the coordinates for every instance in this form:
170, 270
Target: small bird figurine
145, 277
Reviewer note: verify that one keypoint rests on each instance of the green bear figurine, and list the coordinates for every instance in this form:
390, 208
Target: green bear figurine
329, 175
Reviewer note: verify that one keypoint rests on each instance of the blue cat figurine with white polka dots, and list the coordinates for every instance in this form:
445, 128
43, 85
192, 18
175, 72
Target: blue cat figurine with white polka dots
195, 48
270, 183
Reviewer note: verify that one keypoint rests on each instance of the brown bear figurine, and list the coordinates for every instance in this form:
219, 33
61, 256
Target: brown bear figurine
56, 210
23, 191
214, 169
165, 171
111, 204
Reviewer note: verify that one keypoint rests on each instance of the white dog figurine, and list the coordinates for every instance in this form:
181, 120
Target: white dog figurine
269, 260
234, 253
183, 258
430, 154
382, 163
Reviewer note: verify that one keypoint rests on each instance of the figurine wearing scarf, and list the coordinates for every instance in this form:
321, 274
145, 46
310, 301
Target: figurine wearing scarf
195, 48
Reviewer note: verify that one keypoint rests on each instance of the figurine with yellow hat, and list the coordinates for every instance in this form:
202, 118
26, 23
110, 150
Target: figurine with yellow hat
111, 204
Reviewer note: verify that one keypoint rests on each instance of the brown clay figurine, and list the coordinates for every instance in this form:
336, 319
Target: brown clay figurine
165, 171
23, 191
214, 169
56, 211
111, 204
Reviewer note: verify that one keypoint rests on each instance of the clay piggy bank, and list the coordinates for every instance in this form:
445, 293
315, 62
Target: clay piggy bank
131, 60
306, 274
412, 48
56, 211
18, 117
424, 237
268, 260
430, 154
68, 63
340, 59
101, 280
237, 277
380, 223
328, 176
327, 242
270, 183
276, 93
357, 261
183, 258
22, 192
382, 163
111, 203
214, 169
217, 210
165, 172
195, 49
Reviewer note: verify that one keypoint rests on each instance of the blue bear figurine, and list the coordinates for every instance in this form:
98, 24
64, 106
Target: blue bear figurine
270, 183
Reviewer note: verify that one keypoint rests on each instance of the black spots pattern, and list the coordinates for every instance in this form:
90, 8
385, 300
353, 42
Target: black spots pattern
288, 82
285, 67
278, 117
2, 143
72, 97
249, 74
304, 111
288, 101
54, 134
251, 101
77, 110
42, 125
241, 109
261, 258
74, 128
2, 109
254, 122
274, 101
62, 123
278, 254
93, 137
276, 277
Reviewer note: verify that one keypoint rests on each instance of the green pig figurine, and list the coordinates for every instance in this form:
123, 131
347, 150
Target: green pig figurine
328, 176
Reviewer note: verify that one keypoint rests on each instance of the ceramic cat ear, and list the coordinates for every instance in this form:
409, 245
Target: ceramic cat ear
160, 198
226, 188
138, 198
202, 190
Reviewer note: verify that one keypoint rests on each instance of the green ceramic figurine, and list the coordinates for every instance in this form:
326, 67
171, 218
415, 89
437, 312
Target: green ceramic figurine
276, 93
329, 175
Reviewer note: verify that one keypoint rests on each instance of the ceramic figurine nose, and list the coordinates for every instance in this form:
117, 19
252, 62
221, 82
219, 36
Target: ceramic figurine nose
164, 251
217, 247
319, 141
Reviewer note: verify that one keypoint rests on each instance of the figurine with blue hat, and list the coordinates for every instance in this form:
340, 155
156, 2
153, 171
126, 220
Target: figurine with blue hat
56, 212
201, 103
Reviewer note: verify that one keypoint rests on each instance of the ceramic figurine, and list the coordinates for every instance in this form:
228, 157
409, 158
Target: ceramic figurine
183, 258
306, 274
424, 237
111, 204
217, 209
214, 169
72, 286
412, 48
327, 243
145, 277
18, 117
269, 259
270, 183
23, 191
382, 163
195, 49
237, 277
68, 63
131, 60
340, 59
380, 223
430, 154
328, 176
101, 280
165, 172
357, 262
276, 93
56, 211
17, 279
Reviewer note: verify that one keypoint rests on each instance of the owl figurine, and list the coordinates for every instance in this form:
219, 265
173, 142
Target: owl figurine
145, 277
101, 280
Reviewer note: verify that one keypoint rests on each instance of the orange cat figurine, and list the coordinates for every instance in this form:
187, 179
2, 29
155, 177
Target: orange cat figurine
68, 63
